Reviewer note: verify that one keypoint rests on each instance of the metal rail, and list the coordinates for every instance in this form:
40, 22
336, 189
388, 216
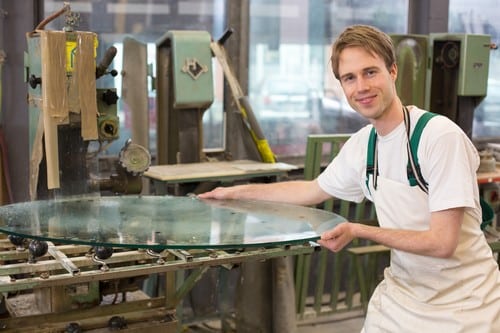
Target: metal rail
68, 267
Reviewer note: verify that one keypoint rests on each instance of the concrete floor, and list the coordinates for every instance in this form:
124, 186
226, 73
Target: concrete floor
348, 325
352, 325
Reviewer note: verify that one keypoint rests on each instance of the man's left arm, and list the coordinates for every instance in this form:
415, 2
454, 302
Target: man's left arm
440, 240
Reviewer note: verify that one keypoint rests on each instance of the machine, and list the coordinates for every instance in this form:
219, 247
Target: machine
185, 90
444, 73
70, 120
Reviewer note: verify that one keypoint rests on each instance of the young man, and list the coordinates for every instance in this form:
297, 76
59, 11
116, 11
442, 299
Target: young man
442, 276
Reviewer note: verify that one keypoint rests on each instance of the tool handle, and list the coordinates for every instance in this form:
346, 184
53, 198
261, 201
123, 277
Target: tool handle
105, 62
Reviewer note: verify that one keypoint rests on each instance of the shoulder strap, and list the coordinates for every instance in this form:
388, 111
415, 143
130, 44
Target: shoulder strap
370, 154
413, 169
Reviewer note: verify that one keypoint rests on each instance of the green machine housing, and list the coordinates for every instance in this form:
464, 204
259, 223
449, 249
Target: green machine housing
185, 89
411, 57
459, 66
444, 73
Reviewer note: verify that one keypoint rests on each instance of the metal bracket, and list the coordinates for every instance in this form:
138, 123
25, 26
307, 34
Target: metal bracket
63, 259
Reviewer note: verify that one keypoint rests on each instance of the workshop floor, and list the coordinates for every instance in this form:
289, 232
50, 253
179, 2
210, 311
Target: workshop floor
352, 325
348, 325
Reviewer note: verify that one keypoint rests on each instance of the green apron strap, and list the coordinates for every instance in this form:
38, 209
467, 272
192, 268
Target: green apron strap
414, 142
370, 155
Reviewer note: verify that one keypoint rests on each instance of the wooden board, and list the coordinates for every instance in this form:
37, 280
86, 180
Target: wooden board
190, 172
135, 89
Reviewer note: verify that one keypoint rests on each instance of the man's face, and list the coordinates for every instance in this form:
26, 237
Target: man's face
368, 85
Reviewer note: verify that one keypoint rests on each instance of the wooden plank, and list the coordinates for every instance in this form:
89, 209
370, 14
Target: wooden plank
85, 79
54, 98
36, 158
368, 249
135, 89
51, 151
214, 170
54, 79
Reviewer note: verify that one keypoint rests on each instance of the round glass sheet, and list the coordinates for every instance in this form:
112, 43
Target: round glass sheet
161, 222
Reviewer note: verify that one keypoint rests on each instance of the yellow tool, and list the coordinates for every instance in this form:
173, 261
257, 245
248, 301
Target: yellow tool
242, 103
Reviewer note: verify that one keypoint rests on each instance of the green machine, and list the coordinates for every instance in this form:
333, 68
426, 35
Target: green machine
459, 76
184, 92
411, 55
444, 73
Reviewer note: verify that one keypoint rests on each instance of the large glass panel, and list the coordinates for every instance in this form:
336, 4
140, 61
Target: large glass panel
160, 222
291, 86
482, 18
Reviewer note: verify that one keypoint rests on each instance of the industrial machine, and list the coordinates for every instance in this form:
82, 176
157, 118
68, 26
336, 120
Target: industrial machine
444, 73
185, 90
71, 121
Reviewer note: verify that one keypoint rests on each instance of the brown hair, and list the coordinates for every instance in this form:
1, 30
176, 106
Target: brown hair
367, 37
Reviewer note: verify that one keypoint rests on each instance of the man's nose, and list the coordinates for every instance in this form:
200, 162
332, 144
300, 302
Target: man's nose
362, 84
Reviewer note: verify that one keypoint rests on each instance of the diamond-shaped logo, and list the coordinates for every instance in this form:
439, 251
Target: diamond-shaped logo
194, 68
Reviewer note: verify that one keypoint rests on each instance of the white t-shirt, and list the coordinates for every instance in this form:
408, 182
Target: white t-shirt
448, 162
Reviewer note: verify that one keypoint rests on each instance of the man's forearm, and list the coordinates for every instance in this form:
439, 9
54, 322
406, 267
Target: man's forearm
295, 192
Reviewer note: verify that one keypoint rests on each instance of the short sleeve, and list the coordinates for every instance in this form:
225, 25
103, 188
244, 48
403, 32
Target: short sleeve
449, 161
344, 177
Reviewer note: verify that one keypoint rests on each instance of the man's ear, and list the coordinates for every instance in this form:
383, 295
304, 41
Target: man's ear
393, 71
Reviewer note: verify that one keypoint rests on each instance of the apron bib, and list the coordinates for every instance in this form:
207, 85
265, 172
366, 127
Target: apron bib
426, 294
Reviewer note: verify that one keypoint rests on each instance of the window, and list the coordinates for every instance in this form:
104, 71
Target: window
292, 88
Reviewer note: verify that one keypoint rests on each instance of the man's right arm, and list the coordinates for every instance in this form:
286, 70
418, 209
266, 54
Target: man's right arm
298, 192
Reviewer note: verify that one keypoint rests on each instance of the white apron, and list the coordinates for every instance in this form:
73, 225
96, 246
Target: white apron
423, 294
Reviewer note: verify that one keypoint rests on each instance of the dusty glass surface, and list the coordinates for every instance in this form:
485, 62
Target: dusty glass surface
160, 222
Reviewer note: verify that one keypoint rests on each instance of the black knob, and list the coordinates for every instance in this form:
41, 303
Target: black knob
109, 97
103, 252
73, 328
16, 240
34, 81
37, 248
117, 323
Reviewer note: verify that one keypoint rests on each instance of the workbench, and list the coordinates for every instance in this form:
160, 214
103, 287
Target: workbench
221, 171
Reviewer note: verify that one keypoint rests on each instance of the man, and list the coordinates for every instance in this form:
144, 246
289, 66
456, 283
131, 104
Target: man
442, 276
